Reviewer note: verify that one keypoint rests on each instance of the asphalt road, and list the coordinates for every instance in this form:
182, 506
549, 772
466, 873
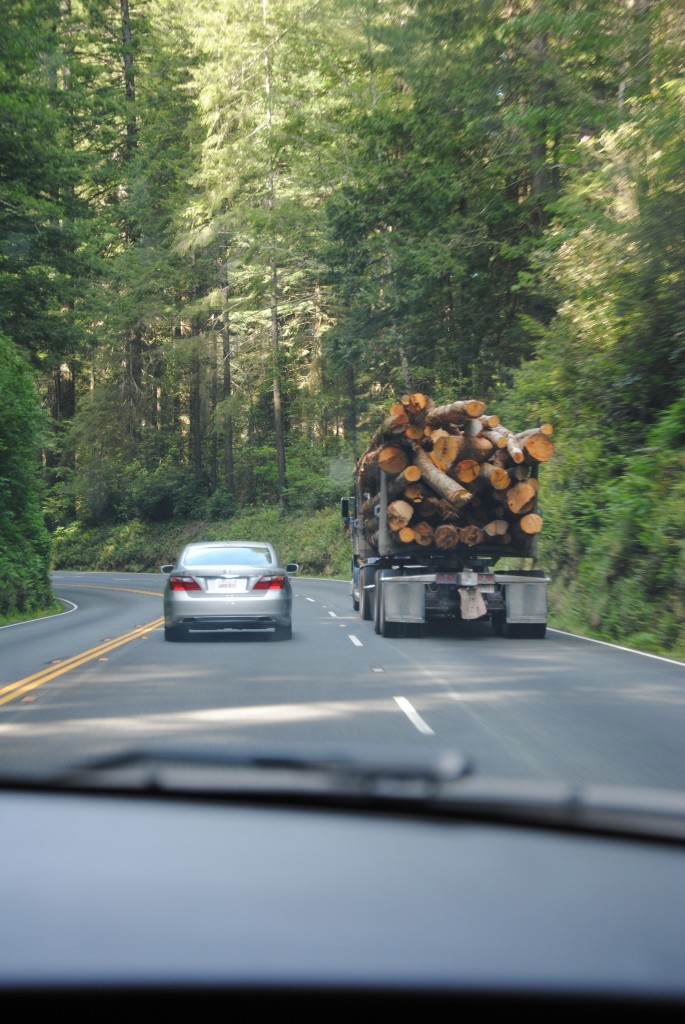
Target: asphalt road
100, 679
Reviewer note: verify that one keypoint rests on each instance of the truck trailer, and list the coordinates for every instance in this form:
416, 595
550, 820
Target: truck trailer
400, 587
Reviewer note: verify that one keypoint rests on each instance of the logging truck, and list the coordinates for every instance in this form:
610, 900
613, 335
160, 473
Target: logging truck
417, 553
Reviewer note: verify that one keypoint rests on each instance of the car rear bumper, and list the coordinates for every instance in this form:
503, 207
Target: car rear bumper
219, 622
251, 611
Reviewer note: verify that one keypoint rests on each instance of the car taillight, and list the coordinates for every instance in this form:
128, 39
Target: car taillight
270, 583
183, 583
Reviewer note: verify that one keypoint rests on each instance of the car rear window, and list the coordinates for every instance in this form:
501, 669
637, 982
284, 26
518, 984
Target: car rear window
247, 555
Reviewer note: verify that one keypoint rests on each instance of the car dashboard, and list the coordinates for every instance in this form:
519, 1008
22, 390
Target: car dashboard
120, 895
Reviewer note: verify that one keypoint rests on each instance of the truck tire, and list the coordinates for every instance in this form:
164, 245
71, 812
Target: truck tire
525, 630
366, 577
386, 629
355, 600
514, 630
497, 622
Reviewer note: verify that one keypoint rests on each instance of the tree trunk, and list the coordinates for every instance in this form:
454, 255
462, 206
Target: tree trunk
129, 77
275, 345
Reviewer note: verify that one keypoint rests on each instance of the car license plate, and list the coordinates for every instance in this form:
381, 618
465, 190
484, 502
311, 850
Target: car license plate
235, 586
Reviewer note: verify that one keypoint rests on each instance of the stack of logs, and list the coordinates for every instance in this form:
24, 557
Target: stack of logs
455, 476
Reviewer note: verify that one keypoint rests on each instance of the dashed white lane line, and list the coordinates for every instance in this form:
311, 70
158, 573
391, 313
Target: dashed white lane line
310, 599
333, 615
413, 716
355, 640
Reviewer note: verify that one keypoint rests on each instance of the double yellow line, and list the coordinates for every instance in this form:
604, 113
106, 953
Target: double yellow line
28, 683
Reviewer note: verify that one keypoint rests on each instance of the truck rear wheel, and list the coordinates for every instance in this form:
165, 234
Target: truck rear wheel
497, 622
387, 629
524, 630
366, 577
514, 630
377, 599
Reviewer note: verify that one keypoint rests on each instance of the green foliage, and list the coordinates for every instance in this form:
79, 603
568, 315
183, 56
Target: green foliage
24, 540
317, 542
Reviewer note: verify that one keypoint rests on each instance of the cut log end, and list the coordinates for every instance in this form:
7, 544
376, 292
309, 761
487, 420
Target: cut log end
392, 460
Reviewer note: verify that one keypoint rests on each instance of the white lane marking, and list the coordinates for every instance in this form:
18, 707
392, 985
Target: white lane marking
310, 599
413, 716
617, 647
55, 615
355, 640
333, 615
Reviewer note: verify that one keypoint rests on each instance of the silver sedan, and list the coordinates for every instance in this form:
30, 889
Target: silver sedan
225, 585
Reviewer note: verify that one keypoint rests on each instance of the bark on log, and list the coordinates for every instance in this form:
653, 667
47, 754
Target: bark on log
544, 428
496, 476
416, 405
446, 487
478, 448
448, 447
517, 496
456, 412
511, 442
397, 484
496, 439
367, 469
441, 508
396, 421
472, 427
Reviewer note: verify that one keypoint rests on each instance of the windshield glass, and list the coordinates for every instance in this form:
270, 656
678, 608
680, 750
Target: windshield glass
395, 287
252, 555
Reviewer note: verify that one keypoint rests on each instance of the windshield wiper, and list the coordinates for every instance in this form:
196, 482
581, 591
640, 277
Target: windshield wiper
439, 783
355, 771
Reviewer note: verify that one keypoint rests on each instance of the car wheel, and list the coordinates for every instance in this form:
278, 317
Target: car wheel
283, 632
175, 633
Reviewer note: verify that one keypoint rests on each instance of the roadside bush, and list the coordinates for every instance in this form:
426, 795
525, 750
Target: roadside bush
24, 539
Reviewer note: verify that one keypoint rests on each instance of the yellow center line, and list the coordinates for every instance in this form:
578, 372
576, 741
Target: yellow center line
22, 686
99, 586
